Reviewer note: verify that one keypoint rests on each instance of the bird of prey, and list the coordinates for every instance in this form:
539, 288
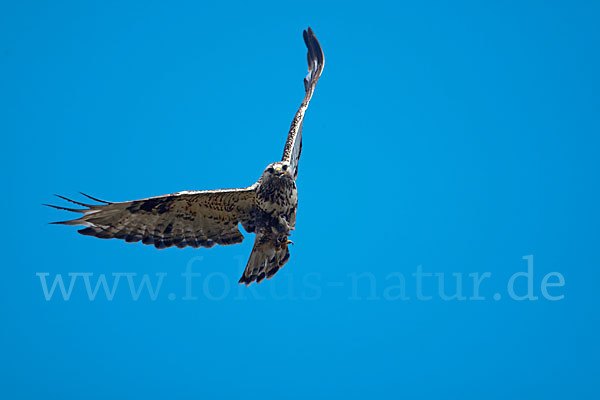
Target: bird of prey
206, 218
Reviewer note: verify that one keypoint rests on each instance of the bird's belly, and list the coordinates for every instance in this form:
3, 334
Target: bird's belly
280, 204
278, 210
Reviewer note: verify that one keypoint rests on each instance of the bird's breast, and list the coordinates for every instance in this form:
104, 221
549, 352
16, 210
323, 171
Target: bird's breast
277, 197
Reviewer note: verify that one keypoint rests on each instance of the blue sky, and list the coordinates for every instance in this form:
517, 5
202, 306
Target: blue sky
451, 138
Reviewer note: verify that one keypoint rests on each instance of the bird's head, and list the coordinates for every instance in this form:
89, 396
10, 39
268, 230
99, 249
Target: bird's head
277, 170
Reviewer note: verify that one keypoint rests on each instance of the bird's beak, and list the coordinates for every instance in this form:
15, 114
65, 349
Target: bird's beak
278, 172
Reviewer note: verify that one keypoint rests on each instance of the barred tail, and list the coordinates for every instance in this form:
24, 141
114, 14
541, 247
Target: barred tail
266, 259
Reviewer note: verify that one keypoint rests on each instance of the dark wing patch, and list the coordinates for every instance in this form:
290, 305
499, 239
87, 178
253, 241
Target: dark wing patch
316, 62
196, 219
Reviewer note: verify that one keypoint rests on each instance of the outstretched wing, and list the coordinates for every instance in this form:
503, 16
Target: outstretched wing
316, 61
180, 219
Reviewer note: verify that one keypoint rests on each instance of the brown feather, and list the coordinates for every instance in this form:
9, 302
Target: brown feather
207, 218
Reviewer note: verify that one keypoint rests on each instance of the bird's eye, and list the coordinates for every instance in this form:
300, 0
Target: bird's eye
284, 167
270, 170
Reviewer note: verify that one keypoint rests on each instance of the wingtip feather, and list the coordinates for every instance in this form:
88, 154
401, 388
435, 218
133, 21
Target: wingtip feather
65, 208
95, 199
69, 222
73, 201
